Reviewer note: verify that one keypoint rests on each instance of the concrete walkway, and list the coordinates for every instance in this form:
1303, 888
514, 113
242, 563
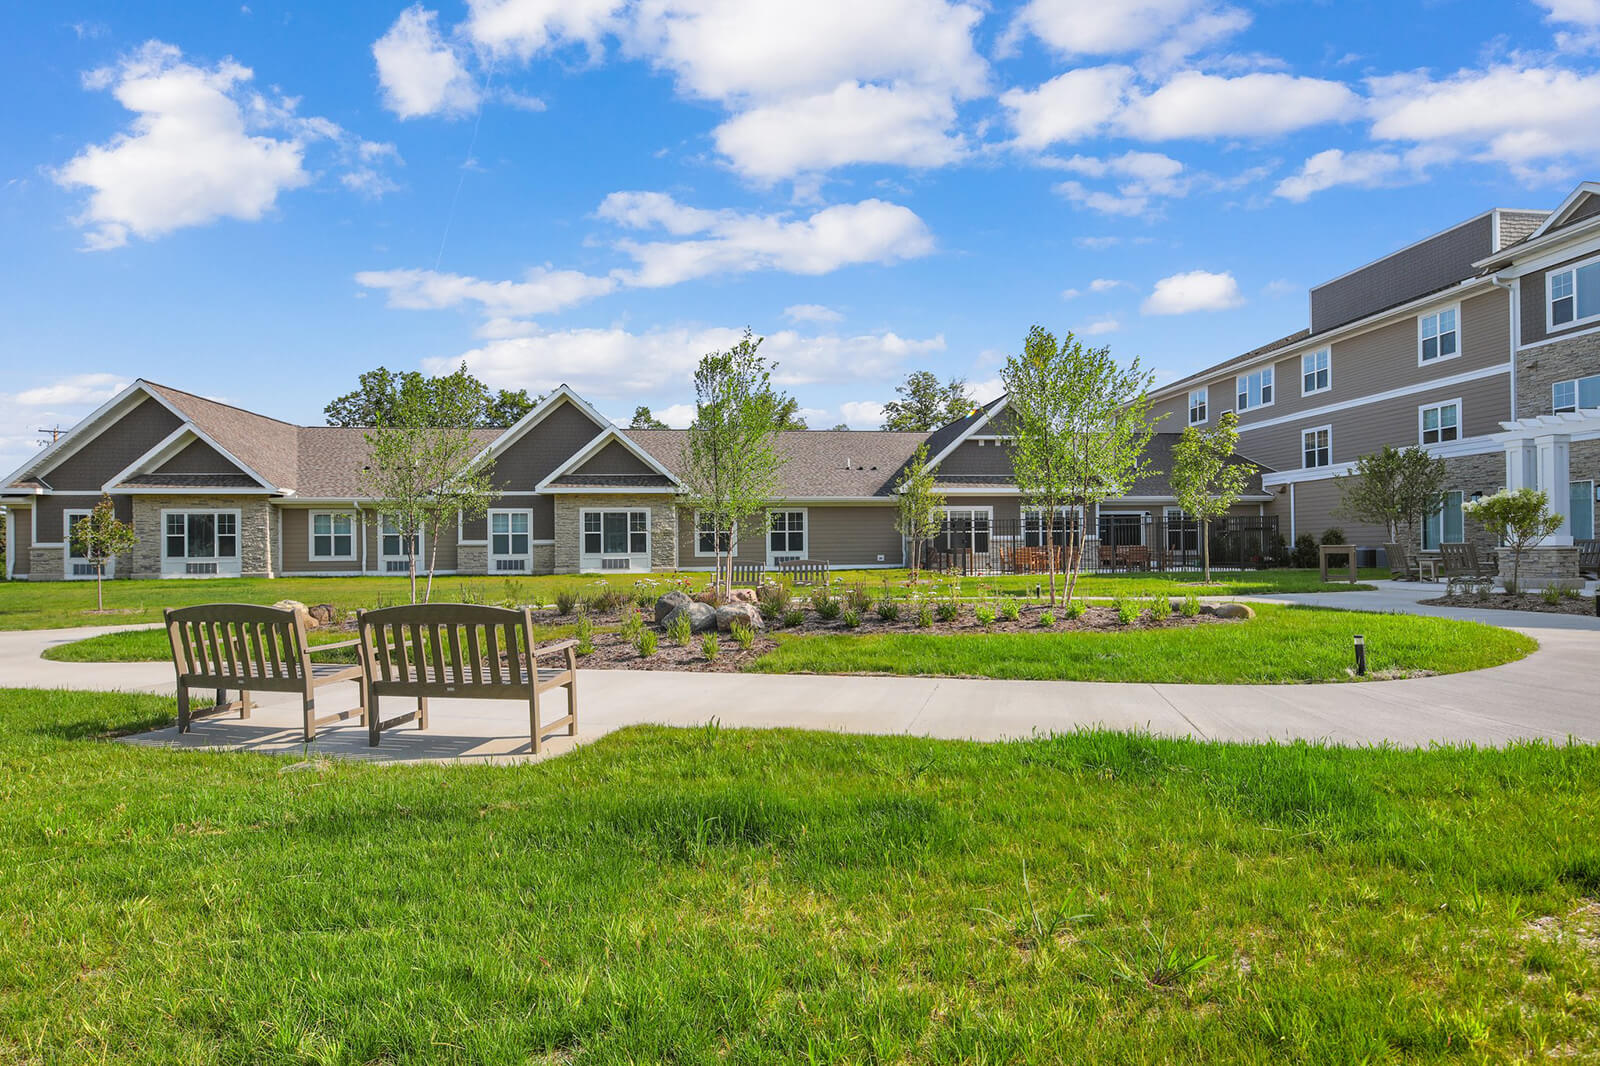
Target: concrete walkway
1550, 695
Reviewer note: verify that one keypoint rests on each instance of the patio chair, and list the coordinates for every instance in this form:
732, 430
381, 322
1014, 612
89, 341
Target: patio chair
243, 647
1588, 557
1402, 564
1459, 561
464, 652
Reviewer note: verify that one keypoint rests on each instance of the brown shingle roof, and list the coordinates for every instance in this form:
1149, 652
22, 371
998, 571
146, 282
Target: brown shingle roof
330, 458
815, 460
264, 444
188, 481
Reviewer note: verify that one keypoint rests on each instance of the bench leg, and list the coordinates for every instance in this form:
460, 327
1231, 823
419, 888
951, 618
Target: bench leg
311, 718
422, 712
246, 705
373, 732
572, 706
533, 723
184, 721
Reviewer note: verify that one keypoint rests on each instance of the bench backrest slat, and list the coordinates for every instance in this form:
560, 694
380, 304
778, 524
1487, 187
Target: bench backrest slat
238, 645
450, 649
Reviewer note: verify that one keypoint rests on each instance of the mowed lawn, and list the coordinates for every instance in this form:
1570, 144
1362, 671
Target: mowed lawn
725, 896
60, 604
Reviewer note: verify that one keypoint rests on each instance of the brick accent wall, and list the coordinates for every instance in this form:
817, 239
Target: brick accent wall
1539, 368
569, 527
257, 528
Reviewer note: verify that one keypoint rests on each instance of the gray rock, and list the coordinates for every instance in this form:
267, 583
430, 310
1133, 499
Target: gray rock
702, 616
324, 614
669, 603
1235, 610
743, 613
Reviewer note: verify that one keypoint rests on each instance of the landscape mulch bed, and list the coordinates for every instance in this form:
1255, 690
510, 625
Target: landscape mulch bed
1501, 602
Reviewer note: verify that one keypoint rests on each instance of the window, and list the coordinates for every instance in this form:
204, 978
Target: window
203, 535
708, 540
1580, 509
332, 535
70, 519
1183, 532
786, 534
1255, 390
1444, 525
1441, 422
616, 532
1316, 372
1063, 527
508, 533
1119, 529
965, 529
1439, 337
392, 544
1316, 445
1197, 407
1574, 295
1575, 394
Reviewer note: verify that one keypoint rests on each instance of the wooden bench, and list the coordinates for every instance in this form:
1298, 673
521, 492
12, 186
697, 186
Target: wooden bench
1402, 565
804, 571
243, 647
463, 652
1458, 561
1588, 557
747, 575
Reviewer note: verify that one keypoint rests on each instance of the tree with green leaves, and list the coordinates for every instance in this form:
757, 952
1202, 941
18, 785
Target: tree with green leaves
787, 412
375, 399
731, 458
1206, 481
1518, 518
100, 537
1394, 488
920, 507
424, 469
1080, 426
643, 419
924, 404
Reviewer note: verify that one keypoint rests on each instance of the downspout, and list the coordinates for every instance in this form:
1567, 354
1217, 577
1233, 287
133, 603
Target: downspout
1291, 513
361, 532
1514, 293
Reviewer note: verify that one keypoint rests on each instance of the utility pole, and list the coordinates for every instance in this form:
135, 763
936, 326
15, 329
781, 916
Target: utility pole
55, 435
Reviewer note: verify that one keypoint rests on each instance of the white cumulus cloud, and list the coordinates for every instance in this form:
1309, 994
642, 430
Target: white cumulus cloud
420, 73
524, 28
1193, 105
1197, 290
541, 291
1167, 30
861, 414
75, 390
811, 313
1337, 167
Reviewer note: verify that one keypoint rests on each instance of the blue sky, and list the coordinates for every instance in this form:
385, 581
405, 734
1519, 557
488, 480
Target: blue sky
257, 202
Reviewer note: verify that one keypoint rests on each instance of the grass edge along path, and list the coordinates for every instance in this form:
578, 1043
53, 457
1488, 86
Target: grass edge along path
759, 896
1281, 645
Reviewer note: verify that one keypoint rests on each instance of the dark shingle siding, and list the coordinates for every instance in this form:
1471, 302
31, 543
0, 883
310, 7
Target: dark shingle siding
1429, 266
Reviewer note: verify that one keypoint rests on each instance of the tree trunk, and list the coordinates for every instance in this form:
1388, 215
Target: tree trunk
99, 585
433, 561
411, 558
1205, 551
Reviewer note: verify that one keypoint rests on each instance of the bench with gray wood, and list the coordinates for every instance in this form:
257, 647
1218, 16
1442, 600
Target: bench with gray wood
804, 571
1459, 561
461, 651
1402, 564
1588, 557
747, 575
246, 648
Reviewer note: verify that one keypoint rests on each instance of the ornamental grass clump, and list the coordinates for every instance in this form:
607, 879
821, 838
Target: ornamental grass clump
984, 614
742, 635
888, 609
851, 618
585, 633
1190, 607
1010, 610
773, 600
567, 599
924, 615
858, 599
679, 629
794, 616
708, 646
827, 606
645, 643
632, 625
949, 609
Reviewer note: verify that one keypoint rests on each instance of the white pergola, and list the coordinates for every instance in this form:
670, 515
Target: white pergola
1539, 456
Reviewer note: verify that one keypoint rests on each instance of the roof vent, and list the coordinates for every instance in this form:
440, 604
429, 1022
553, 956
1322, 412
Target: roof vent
847, 462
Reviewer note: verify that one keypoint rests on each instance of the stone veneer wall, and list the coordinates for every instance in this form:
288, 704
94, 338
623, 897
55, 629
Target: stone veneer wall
1542, 566
544, 558
569, 527
1477, 473
256, 529
1539, 368
472, 559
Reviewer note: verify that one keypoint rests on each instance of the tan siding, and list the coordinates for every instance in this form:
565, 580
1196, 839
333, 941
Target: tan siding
977, 457
558, 437
614, 459
853, 536
198, 458
542, 526
22, 526
1315, 503
297, 544
50, 526
114, 449
1006, 508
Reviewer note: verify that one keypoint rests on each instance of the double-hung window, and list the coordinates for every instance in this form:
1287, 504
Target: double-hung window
1317, 447
1255, 390
613, 536
1444, 525
1441, 422
709, 540
200, 542
965, 529
1438, 336
1183, 532
396, 547
1575, 394
1197, 406
333, 535
78, 562
1316, 372
1574, 295
786, 535
509, 540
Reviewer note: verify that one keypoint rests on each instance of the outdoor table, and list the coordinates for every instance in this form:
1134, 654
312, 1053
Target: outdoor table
1346, 550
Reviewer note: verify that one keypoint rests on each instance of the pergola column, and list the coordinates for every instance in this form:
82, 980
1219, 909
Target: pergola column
1554, 452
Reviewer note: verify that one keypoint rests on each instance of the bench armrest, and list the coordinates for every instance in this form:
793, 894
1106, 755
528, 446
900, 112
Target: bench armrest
551, 649
314, 648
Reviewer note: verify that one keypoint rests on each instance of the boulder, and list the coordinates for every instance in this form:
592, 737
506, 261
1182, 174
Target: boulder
324, 614
708, 596
702, 616
1235, 610
300, 609
742, 596
669, 603
743, 613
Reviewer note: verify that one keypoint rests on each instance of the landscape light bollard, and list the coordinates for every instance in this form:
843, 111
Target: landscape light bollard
1038, 591
1361, 655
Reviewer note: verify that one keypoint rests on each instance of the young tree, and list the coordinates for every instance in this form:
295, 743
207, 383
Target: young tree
1394, 488
375, 400
731, 457
643, 419
99, 537
1205, 480
925, 404
1080, 425
1519, 519
424, 469
920, 512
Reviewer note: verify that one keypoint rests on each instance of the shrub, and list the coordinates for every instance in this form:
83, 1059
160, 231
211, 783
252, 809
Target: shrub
585, 634
1551, 594
1047, 619
645, 594
708, 645
1190, 607
851, 617
773, 600
679, 628
858, 599
1128, 612
889, 609
794, 616
645, 643
567, 598
827, 606
743, 635
1010, 610
949, 609
1304, 555
984, 614
924, 615
1160, 608
1074, 610
1333, 536
632, 625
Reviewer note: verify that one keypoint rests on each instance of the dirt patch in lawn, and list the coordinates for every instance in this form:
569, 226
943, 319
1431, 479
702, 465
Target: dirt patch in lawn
1500, 601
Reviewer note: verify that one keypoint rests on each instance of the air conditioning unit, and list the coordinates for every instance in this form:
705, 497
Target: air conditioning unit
511, 564
83, 570
199, 568
623, 563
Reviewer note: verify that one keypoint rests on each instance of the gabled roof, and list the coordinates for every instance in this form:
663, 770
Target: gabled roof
567, 476
25, 476
144, 473
271, 444
948, 437
817, 463
1558, 218
513, 433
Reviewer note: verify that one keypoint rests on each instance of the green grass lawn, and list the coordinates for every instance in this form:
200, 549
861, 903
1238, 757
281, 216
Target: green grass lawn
151, 645
776, 896
1280, 645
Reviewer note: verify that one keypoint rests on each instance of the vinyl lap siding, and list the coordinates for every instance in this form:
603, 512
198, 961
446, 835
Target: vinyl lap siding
977, 457
114, 449
560, 436
198, 458
843, 536
614, 459
1532, 286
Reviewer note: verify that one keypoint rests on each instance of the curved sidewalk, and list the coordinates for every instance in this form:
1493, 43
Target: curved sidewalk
1552, 695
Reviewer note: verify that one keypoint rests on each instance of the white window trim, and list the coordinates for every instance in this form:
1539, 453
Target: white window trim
171, 567
1549, 304
1066, 510
733, 540
385, 559
805, 537
488, 536
1461, 420
1204, 392
68, 518
1303, 357
1576, 392
1273, 369
986, 508
1461, 342
1422, 534
1316, 429
311, 537
588, 563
